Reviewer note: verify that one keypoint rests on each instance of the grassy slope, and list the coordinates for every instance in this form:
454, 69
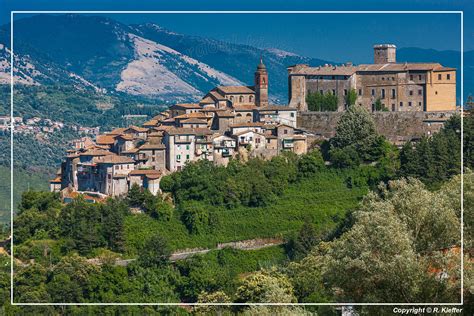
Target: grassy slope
325, 199
22, 181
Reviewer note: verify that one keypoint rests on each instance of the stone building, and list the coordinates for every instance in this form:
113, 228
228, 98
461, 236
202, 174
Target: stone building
229, 122
399, 86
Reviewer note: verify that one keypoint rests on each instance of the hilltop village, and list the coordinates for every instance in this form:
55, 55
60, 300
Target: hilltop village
229, 121
238, 121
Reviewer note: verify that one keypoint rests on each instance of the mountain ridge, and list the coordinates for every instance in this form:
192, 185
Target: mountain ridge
148, 60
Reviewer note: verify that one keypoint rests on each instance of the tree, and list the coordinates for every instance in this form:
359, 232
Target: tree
351, 97
374, 261
304, 242
321, 102
113, 216
378, 106
310, 164
195, 217
356, 128
214, 297
428, 216
155, 252
70, 279
266, 286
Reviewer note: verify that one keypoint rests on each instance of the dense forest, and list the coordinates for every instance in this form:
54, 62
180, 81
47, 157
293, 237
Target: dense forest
361, 221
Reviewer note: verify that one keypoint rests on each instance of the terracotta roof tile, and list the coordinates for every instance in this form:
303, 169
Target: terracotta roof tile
105, 139
186, 106
151, 146
195, 121
115, 159
235, 89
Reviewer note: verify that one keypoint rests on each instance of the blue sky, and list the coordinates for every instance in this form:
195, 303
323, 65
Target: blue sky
316, 35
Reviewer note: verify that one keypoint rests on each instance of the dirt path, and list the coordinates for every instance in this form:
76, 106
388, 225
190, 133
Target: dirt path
251, 244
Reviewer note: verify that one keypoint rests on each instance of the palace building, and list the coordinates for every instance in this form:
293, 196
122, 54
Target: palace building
400, 87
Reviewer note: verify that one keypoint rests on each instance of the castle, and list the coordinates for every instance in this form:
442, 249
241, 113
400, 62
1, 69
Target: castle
238, 121
399, 87
228, 122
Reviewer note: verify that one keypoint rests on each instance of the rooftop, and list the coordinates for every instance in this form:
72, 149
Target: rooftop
235, 89
348, 70
186, 106
105, 139
114, 159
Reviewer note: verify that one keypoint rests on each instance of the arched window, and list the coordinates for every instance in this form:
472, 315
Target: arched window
251, 98
249, 114
232, 98
239, 115
263, 80
241, 99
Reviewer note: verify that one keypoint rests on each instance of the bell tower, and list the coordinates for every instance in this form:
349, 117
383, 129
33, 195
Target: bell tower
261, 85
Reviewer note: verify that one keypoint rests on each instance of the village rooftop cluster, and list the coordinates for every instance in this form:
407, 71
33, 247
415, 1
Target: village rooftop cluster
229, 122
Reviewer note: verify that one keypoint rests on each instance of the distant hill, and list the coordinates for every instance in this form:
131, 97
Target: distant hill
146, 60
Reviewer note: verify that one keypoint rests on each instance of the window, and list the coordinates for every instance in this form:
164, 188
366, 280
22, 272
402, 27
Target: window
360, 91
333, 92
401, 104
292, 114
239, 115
116, 167
393, 107
285, 131
411, 92
232, 98
419, 77
257, 140
187, 147
345, 91
249, 114
439, 76
411, 77
383, 78
420, 92
393, 78
409, 103
321, 92
393, 93
251, 98
373, 92
373, 107
383, 93
178, 157
419, 103
241, 99
448, 77
187, 157
436, 92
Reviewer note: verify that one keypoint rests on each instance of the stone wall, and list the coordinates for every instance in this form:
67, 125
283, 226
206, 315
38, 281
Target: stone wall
398, 127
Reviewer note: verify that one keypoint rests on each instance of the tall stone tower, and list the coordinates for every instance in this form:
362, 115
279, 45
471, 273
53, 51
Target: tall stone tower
261, 85
385, 53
